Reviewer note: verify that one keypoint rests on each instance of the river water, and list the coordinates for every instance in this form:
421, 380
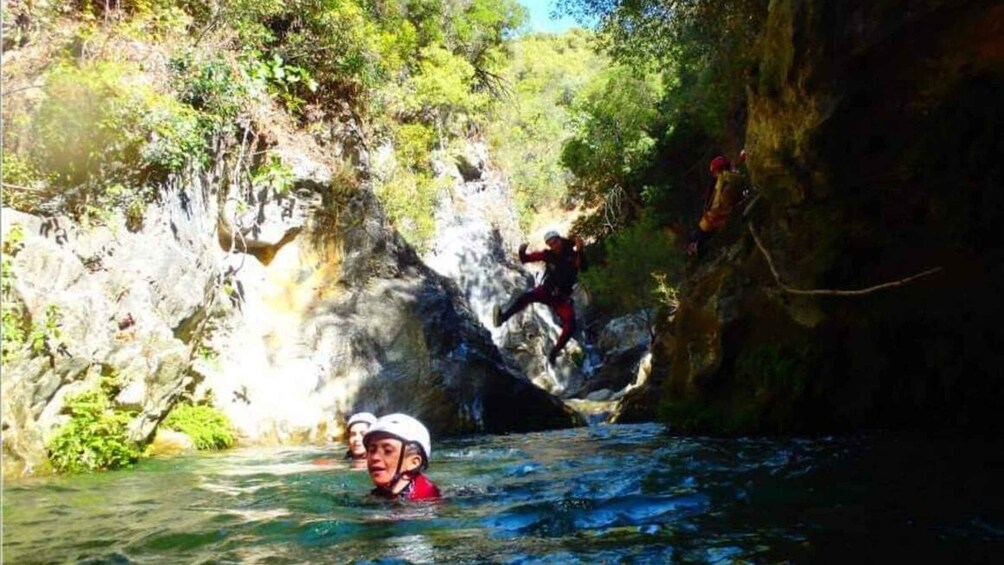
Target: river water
604, 494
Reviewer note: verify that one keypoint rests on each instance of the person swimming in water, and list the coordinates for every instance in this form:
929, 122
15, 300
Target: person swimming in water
357, 426
356, 429
398, 449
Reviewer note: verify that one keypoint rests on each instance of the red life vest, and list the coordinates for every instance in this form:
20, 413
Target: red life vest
420, 488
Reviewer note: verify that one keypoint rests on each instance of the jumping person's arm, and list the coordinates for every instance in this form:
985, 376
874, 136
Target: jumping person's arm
580, 254
525, 257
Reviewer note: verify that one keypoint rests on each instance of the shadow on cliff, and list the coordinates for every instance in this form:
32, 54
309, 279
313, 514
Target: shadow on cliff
876, 152
407, 338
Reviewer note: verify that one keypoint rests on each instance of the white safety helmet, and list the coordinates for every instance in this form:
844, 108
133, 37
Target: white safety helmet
404, 428
551, 234
360, 418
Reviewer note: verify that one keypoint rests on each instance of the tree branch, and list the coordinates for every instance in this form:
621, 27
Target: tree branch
828, 292
20, 89
20, 187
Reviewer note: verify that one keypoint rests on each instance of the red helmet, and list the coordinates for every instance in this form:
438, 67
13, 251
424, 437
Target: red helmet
719, 163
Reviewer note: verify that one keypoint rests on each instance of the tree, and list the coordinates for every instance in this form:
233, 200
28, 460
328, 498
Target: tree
616, 119
527, 129
706, 48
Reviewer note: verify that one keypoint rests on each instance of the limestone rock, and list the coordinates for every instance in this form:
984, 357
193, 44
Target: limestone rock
477, 235
288, 311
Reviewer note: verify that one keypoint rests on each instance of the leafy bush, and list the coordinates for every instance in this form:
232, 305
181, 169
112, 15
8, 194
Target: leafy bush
273, 174
18, 327
45, 336
21, 181
208, 427
546, 74
616, 120
410, 202
213, 86
706, 51
101, 129
285, 81
773, 371
414, 142
95, 437
14, 333
442, 84
637, 263
130, 6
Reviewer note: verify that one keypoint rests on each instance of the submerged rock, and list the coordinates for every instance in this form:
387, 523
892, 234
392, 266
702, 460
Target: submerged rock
169, 442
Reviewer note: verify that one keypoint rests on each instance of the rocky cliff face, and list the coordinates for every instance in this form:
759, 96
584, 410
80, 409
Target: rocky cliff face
475, 245
293, 310
875, 141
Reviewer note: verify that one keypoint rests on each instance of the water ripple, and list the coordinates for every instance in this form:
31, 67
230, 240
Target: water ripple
606, 494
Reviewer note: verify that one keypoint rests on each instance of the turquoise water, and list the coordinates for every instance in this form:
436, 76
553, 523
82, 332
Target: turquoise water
605, 494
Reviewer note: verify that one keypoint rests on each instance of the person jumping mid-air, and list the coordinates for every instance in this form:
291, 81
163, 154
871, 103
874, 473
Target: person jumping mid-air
564, 259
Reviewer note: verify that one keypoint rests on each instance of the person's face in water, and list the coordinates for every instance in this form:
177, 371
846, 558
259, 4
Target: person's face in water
555, 244
356, 433
382, 457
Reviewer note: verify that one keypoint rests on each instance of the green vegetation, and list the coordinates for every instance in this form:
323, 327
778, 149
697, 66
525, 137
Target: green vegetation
43, 336
14, 334
688, 415
637, 261
639, 140
100, 141
273, 174
212, 84
443, 65
98, 132
110, 128
776, 382
208, 427
616, 120
531, 122
771, 385
769, 369
410, 200
619, 133
618, 123
422, 74
95, 438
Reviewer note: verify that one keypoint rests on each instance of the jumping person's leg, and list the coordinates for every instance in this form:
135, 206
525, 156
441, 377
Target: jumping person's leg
566, 312
536, 294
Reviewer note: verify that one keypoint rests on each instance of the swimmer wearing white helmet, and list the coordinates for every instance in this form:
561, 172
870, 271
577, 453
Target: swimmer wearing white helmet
397, 451
356, 428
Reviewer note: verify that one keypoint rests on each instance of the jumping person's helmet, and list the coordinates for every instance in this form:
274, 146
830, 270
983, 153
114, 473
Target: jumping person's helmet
719, 163
404, 428
361, 418
551, 234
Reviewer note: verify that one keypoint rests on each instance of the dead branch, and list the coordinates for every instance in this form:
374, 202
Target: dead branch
22, 187
829, 292
8, 92
612, 207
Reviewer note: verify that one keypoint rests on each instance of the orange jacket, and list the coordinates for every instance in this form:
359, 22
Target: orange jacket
728, 191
